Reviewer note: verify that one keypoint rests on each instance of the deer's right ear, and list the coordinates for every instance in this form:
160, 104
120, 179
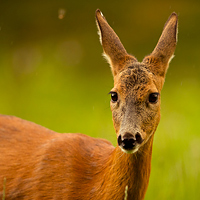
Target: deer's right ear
114, 51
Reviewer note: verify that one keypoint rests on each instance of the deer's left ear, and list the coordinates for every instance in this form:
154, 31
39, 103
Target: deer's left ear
161, 56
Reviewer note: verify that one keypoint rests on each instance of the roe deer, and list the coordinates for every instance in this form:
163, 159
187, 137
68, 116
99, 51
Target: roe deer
38, 163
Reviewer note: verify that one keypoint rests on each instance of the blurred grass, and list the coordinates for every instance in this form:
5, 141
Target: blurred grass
52, 73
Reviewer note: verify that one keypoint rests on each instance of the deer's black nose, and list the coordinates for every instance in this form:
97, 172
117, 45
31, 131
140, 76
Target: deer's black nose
128, 141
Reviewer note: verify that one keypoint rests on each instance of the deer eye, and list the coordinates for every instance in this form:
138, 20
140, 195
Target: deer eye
114, 97
153, 97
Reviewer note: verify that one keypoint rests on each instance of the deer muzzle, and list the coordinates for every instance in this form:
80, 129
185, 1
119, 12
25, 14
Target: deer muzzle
129, 142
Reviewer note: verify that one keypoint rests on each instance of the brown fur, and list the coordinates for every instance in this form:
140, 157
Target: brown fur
41, 164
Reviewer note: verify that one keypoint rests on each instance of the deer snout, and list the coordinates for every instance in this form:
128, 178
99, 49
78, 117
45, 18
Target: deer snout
129, 142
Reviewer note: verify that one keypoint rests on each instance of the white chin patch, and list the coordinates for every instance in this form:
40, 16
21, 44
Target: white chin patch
130, 151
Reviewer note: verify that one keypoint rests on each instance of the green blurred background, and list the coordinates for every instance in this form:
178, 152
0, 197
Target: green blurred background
52, 73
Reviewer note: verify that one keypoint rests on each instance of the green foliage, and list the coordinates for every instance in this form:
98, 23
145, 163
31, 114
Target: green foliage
52, 73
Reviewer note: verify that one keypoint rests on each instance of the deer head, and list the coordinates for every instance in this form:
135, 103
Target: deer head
135, 97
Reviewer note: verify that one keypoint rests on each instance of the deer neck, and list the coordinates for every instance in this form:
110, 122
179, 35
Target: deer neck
132, 170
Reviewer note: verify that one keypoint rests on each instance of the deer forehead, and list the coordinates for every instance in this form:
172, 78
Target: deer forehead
135, 82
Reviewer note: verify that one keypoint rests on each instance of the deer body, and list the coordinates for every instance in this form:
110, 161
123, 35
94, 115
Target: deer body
38, 163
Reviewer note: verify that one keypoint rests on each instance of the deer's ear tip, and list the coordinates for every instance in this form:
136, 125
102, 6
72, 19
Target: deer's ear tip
98, 13
97, 10
174, 14
173, 18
